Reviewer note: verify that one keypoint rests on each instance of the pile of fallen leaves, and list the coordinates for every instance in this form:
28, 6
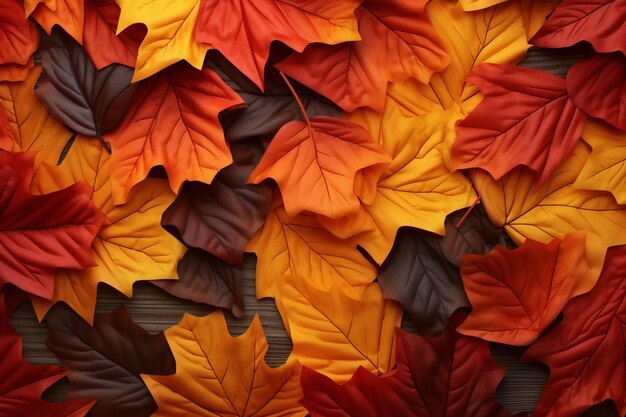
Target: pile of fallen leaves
377, 156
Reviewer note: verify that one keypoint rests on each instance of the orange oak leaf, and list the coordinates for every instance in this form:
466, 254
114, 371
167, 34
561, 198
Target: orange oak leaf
526, 118
234, 28
448, 376
516, 294
69, 14
586, 351
31, 126
19, 39
221, 375
398, 42
100, 40
599, 22
172, 122
318, 164
555, 209
301, 246
335, 334
598, 87
39, 233
131, 244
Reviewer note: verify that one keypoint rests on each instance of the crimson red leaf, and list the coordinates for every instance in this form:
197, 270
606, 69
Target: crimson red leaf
586, 352
526, 118
100, 40
221, 217
39, 233
89, 102
598, 86
206, 279
22, 384
599, 22
450, 376
105, 360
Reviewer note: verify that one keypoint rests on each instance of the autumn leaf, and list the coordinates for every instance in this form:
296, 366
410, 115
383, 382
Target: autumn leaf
330, 324
31, 125
204, 278
100, 40
130, 246
526, 119
417, 275
41, 233
22, 383
6, 138
170, 37
598, 87
451, 375
233, 28
68, 14
516, 295
316, 162
265, 112
172, 122
221, 217
20, 38
89, 102
398, 42
301, 246
106, 360
599, 22
417, 189
586, 351
217, 374
604, 169
555, 209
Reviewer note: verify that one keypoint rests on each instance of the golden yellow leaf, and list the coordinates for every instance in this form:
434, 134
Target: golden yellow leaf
555, 209
329, 324
131, 244
170, 36
300, 246
416, 190
605, 169
221, 375
32, 126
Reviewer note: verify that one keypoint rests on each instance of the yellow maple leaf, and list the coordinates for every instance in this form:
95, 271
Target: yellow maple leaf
170, 36
605, 169
555, 209
221, 375
329, 324
130, 246
31, 125
301, 246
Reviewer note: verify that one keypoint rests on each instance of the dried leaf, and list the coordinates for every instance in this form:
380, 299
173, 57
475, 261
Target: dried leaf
316, 164
234, 28
105, 360
172, 122
217, 374
335, 334
526, 119
515, 295
586, 350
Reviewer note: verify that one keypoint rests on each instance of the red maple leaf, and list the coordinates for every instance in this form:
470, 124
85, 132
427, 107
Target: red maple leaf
39, 233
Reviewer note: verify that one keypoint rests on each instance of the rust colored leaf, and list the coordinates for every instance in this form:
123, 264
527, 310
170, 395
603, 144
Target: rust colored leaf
19, 39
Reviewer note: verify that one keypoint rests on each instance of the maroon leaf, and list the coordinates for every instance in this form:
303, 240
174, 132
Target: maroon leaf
106, 360
204, 278
598, 87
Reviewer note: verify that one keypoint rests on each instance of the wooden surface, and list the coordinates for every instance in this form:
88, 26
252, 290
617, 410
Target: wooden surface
155, 310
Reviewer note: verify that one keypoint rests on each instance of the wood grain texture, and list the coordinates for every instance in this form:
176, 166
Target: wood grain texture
155, 310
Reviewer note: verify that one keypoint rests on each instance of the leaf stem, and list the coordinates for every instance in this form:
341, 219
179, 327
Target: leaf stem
295, 95
104, 144
66, 149
467, 212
